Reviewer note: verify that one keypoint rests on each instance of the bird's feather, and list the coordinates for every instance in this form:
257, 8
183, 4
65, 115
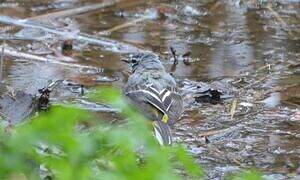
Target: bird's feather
168, 100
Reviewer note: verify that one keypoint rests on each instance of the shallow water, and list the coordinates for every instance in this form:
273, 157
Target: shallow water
250, 51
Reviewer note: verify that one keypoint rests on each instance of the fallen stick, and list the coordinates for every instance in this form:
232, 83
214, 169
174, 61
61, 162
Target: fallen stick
215, 5
212, 132
13, 37
218, 132
92, 106
75, 11
124, 25
284, 26
68, 12
107, 44
18, 54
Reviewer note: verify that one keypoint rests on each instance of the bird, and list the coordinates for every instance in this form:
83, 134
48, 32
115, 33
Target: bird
154, 92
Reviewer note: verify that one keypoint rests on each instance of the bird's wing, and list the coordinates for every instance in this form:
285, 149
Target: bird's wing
174, 104
167, 100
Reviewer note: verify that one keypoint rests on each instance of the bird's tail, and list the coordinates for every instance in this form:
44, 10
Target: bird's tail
162, 132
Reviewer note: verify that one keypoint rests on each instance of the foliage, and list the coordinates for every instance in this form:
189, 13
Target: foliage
248, 175
55, 141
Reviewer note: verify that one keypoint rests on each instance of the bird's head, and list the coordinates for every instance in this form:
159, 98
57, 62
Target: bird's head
144, 61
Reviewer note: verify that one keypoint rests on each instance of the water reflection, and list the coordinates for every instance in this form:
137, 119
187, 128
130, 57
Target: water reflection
273, 100
233, 53
134, 37
21, 75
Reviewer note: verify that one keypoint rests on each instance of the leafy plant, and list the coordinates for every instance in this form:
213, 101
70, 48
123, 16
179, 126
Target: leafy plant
54, 145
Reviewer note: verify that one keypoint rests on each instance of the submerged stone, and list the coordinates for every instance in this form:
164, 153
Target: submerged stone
17, 107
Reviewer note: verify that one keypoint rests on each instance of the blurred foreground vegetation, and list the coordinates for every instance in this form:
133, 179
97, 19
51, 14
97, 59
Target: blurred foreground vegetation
55, 145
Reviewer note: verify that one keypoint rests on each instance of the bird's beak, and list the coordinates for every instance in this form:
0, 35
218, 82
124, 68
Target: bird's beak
126, 61
162, 132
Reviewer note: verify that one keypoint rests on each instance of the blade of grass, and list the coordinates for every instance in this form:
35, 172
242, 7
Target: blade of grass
233, 108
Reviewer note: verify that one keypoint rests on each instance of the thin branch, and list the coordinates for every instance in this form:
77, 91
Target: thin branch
75, 11
217, 132
108, 44
18, 54
68, 12
173, 51
124, 25
283, 24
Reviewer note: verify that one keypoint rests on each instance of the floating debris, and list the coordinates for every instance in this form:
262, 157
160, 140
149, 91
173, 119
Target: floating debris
205, 92
43, 99
208, 96
67, 47
186, 58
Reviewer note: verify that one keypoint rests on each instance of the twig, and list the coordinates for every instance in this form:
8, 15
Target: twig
290, 103
42, 59
75, 11
214, 132
267, 66
215, 5
108, 44
13, 37
68, 12
173, 51
96, 107
284, 26
294, 65
124, 25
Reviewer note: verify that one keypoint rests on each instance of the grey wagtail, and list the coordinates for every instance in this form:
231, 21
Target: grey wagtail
153, 91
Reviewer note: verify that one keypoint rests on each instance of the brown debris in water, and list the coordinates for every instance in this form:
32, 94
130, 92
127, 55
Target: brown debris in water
186, 58
44, 99
67, 47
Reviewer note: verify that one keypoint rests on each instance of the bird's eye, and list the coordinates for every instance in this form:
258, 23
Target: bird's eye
134, 61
